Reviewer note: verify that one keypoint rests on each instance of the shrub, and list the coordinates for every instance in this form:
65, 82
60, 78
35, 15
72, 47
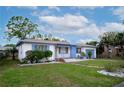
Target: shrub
3, 55
110, 67
30, 56
83, 54
89, 54
35, 56
60, 59
122, 56
24, 61
121, 64
48, 53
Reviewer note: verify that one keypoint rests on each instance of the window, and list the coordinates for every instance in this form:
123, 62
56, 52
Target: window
78, 50
41, 47
63, 50
66, 50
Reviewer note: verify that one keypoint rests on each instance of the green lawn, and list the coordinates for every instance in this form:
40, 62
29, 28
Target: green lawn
100, 62
54, 75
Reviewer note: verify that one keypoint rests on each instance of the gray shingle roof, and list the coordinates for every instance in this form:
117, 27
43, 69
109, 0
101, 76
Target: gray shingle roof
39, 41
42, 41
84, 45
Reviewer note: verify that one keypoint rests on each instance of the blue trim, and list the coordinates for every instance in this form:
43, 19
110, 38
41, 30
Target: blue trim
73, 51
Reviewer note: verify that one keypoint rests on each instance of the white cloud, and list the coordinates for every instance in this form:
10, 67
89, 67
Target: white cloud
84, 41
62, 39
119, 12
66, 21
28, 7
77, 25
40, 13
54, 7
88, 7
71, 24
45, 12
113, 26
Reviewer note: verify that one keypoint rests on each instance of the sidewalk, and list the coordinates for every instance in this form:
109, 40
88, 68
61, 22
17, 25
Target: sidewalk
88, 66
53, 62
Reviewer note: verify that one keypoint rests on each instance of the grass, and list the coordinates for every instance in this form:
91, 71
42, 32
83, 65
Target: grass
101, 62
54, 75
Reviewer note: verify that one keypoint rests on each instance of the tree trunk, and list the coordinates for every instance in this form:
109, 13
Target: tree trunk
13, 56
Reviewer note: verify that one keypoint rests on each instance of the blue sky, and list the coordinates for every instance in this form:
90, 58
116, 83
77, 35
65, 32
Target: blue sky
75, 24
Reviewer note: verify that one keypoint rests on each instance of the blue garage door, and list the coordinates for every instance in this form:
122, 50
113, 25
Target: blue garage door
73, 51
88, 50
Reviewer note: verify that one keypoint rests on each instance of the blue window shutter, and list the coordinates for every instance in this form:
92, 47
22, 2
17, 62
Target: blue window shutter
33, 46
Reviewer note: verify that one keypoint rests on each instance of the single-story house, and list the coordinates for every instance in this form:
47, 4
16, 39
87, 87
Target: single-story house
60, 49
85, 48
112, 51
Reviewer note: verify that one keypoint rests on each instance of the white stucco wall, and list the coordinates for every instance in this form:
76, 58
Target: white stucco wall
52, 48
19, 52
23, 48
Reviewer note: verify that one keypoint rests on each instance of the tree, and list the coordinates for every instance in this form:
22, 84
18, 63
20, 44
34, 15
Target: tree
111, 39
45, 37
48, 53
83, 54
9, 45
40, 36
120, 38
92, 43
12, 50
99, 49
55, 39
108, 38
89, 54
50, 36
20, 27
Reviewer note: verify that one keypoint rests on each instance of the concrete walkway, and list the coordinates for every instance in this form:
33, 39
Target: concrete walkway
53, 62
75, 60
88, 66
120, 85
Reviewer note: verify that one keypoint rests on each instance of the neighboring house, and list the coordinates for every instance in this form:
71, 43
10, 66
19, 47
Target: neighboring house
60, 49
112, 51
86, 48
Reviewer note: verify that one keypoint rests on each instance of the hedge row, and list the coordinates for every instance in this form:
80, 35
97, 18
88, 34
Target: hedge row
35, 56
